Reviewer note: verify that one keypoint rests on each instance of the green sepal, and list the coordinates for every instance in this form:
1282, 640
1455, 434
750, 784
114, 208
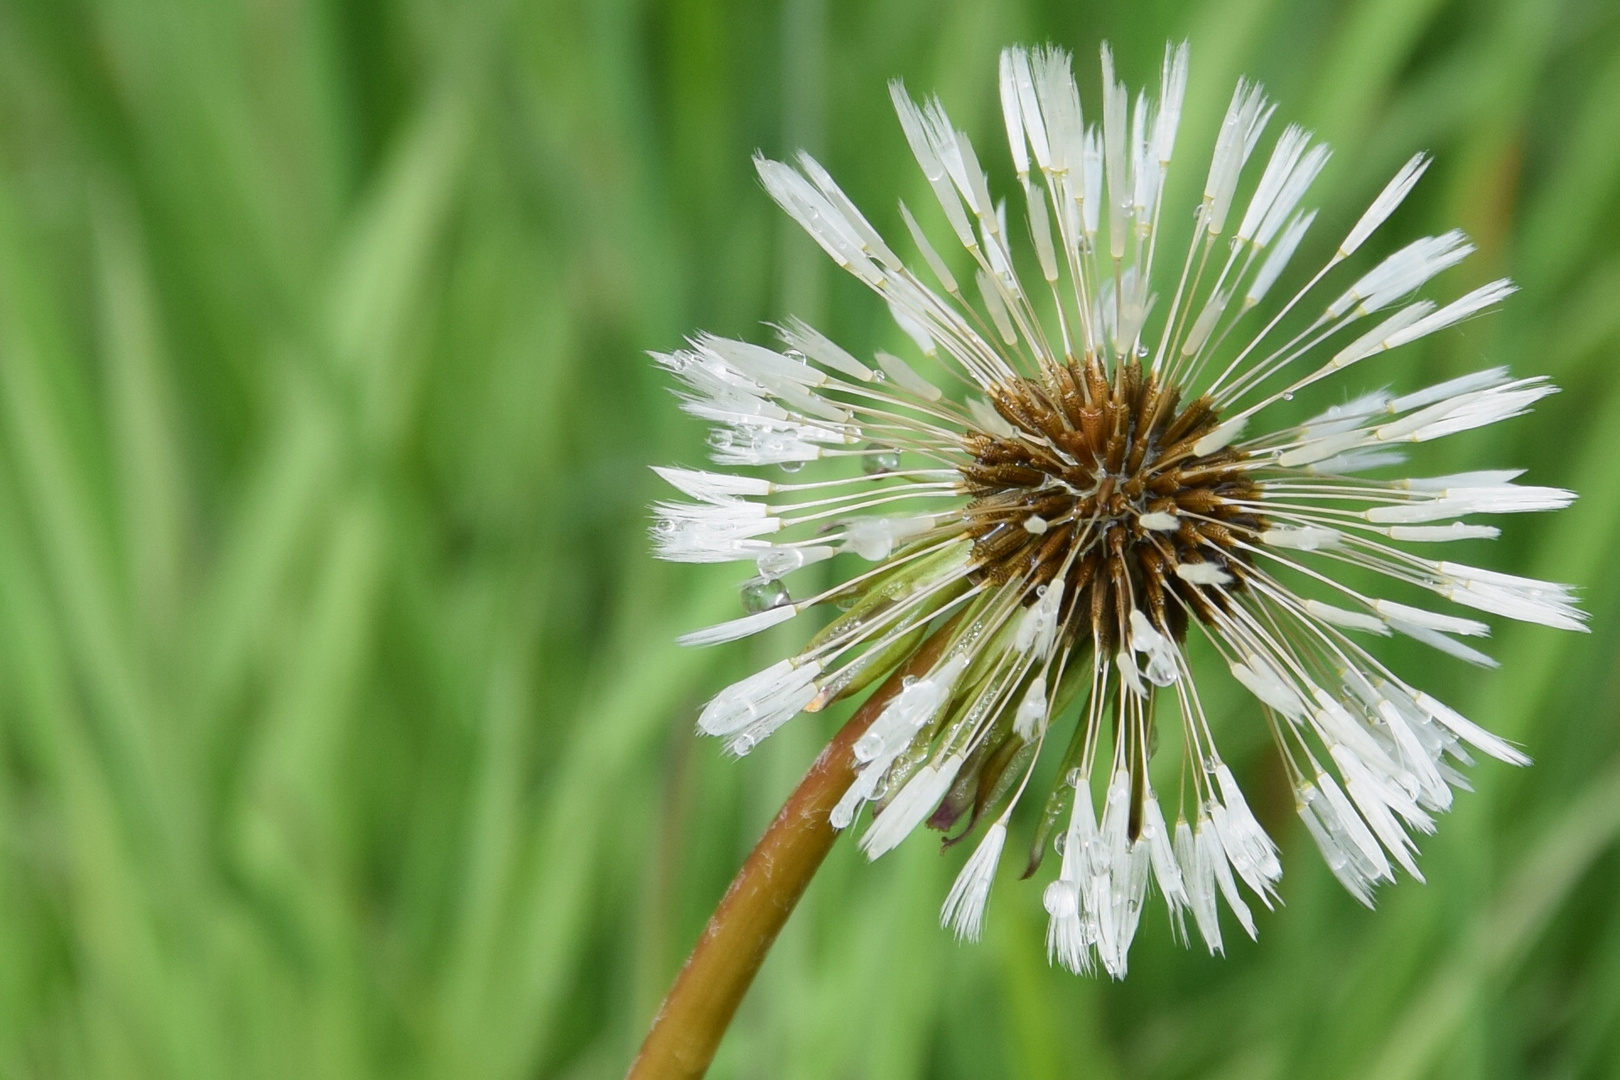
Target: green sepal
875, 595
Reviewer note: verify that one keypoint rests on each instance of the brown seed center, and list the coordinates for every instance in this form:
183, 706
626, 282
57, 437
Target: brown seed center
1098, 475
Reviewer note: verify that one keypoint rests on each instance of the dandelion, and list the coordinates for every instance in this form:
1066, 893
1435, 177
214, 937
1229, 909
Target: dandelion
1075, 479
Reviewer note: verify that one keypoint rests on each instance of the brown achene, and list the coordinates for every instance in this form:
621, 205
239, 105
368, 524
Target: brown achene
1085, 458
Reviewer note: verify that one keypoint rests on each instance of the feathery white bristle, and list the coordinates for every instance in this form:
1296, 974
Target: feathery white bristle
915, 801
1457, 530
710, 486
1172, 92
1394, 193
1251, 852
1011, 113
1285, 156
1374, 799
798, 334
963, 911
1030, 719
1474, 381
1202, 573
1277, 259
783, 688
1162, 667
875, 538
1470, 732
1442, 643
1386, 335
1198, 875
1162, 854
1245, 117
1481, 478
1465, 306
1461, 501
1403, 272
1293, 190
1222, 435
739, 628
1213, 851
1130, 676
1365, 849
1524, 599
1352, 620
905, 376
1432, 620
717, 531
1037, 629
1302, 538
915, 706
1261, 681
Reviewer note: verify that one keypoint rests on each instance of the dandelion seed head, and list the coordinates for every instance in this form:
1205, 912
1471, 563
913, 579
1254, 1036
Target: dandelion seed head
1067, 479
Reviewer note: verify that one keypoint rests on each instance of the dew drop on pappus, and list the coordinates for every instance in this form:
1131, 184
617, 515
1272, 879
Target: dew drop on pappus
779, 561
764, 594
880, 460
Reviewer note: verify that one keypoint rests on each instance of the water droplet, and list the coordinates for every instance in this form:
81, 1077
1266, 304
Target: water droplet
796, 355
880, 790
763, 594
791, 466
878, 376
1059, 899
742, 744
1288, 395
867, 746
908, 681
1141, 350
879, 460
1072, 778
679, 362
841, 816
664, 527
1060, 841
779, 561
1040, 590
720, 439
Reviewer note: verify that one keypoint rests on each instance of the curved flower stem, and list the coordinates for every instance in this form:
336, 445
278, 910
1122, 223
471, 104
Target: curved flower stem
699, 1007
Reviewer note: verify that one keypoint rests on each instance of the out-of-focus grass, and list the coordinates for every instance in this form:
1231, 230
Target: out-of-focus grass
341, 731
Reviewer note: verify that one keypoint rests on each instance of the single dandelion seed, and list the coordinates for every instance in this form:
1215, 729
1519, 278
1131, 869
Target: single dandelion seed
1065, 480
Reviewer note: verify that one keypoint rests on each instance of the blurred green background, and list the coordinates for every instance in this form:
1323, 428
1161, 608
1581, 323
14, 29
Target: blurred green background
343, 734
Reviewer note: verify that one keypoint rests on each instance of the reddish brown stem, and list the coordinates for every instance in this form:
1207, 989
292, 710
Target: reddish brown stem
699, 1007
